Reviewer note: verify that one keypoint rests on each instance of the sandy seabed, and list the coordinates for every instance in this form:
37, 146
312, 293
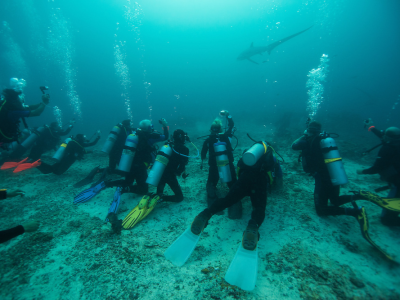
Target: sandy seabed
76, 255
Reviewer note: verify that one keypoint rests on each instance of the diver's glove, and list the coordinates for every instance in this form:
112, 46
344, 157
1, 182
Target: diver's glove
163, 122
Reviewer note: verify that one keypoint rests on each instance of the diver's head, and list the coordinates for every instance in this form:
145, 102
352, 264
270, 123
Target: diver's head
392, 134
126, 123
54, 126
13, 98
314, 128
80, 138
216, 126
179, 136
146, 125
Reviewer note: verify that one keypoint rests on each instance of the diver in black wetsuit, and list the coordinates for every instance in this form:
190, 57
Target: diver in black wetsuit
234, 212
253, 181
387, 165
313, 163
175, 167
75, 150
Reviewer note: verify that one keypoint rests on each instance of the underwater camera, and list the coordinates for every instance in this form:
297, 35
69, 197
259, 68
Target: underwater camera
43, 88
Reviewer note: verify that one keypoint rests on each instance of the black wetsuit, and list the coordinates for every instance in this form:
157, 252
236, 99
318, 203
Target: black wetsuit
387, 165
144, 156
48, 140
74, 151
175, 167
313, 163
11, 233
253, 181
213, 174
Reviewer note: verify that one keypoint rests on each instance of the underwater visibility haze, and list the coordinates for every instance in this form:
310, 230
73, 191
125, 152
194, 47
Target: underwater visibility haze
205, 74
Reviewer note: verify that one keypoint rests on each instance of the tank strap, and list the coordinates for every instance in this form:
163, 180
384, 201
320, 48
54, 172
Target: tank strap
162, 159
222, 163
331, 160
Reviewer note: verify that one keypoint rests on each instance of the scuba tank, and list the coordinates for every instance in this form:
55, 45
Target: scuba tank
333, 160
32, 138
159, 166
112, 137
222, 162
128, 153
251, 156
61, 150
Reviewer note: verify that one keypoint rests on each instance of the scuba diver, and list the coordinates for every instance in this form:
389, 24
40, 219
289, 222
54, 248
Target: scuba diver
253, 181
387, 165
321, 159
137, 156
220, 161
43, 139
72, 151
175, 167
12, 110
314, 164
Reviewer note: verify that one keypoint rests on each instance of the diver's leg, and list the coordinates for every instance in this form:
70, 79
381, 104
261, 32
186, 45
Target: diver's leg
234, 211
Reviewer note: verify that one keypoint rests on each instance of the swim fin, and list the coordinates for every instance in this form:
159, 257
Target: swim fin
27, 166
115, 204
392, 204
12, 164
151, 205
137, 213
242, 271
180, 250
89, 193
88, 179
364, 225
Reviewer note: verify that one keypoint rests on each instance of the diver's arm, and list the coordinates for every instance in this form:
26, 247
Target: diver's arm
231, 124
204, 150
37, 109
300, 143
377, 132
66, 131
166, 133
91, 143
382, 162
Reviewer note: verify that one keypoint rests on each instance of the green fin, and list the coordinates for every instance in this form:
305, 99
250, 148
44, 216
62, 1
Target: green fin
392, 204
152, 204
136, 214
364, 225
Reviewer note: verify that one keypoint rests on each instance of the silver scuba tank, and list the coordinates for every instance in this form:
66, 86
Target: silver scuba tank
112, 137
222, 162
32, 138
333, 161
251, 156
159, 166
61, 150
128, 153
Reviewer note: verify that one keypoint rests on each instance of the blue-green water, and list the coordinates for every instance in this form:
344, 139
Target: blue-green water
188, 52
106, 61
